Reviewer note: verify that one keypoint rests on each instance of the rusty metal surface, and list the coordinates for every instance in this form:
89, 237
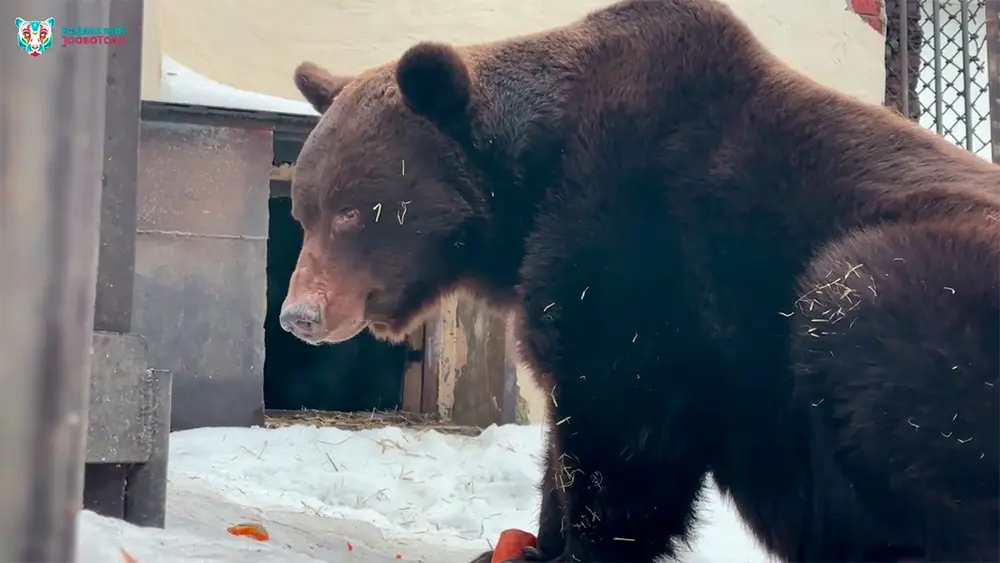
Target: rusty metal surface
200, 267
50, 190
118, 424
116, 262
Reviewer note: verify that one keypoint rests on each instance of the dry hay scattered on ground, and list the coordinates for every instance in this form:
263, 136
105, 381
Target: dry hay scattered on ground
364, 420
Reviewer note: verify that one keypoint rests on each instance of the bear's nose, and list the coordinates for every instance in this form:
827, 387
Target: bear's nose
304, 320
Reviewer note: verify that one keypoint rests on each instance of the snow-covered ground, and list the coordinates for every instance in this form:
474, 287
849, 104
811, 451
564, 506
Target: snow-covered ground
369, 496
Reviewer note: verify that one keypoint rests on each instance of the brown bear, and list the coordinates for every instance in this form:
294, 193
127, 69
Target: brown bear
715, 266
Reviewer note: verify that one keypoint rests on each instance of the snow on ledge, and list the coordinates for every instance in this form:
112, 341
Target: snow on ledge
181, 85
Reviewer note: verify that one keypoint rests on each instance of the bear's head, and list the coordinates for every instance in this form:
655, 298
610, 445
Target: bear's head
390, 206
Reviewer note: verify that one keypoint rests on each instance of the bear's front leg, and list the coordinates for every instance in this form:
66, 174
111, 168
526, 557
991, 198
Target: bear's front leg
627, 489
552, 516
551, 540
630, 392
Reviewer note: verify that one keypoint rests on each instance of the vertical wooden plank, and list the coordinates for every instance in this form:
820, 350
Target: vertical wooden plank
481, 364
993, 70
51, 150
438, 339
511, 392
116, 259
414, 375
466, 359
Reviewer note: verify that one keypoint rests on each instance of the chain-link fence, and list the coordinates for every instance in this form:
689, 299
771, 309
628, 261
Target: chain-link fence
936, 68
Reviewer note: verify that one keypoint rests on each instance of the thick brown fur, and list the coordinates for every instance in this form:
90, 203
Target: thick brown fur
716, 266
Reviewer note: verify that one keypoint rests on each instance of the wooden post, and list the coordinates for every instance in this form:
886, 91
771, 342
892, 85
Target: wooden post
52, 124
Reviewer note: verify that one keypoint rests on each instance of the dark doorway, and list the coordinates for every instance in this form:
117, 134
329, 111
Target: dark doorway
361, 374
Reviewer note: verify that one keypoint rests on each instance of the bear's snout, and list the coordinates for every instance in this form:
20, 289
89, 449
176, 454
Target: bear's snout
302, 319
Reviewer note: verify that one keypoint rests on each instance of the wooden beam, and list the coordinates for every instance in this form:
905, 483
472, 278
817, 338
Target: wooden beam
50, 206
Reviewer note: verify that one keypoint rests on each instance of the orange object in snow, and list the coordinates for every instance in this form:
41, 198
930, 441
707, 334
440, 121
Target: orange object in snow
252, 531
511, 543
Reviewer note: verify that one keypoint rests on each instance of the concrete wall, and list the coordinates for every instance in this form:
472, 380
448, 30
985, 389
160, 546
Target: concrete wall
255, 44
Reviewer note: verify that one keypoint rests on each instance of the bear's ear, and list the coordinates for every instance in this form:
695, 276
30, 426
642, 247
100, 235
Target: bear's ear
434, 82
318, 86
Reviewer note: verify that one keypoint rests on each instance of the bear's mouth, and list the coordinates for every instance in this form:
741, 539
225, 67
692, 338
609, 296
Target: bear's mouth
337, 335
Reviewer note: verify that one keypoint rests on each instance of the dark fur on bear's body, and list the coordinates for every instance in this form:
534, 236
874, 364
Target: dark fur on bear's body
714, 265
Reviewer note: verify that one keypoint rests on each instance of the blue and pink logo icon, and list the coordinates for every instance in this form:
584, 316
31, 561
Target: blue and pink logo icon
35, 37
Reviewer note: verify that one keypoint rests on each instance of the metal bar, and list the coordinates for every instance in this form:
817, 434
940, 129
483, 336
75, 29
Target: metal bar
993, 74
904, 51
51, 152
938, 86
967, 75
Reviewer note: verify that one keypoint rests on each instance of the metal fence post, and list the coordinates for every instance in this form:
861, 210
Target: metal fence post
51, 153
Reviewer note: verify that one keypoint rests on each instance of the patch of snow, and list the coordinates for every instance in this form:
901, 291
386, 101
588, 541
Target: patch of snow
421, 495
181, 85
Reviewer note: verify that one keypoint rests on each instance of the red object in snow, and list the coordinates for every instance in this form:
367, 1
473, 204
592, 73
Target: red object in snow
511, 543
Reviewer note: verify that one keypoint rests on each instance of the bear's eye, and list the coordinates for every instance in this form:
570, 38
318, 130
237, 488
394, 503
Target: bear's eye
346, 218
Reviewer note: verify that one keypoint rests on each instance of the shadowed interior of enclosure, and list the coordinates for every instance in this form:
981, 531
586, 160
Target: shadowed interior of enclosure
361, 374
